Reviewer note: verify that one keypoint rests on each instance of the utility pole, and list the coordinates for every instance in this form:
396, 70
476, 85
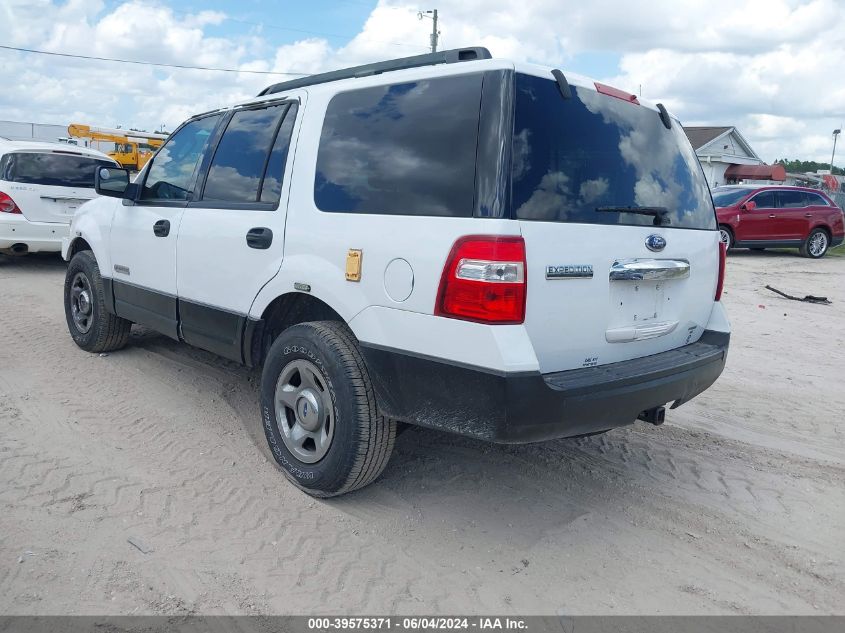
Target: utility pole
835, 136
435, 34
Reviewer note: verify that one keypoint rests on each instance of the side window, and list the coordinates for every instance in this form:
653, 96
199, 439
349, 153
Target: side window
171, 175
402, 149
271, 190
792, 199
236, 173
815, 200
6, 167
766, 200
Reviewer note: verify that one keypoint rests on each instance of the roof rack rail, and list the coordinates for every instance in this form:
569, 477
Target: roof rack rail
429, 59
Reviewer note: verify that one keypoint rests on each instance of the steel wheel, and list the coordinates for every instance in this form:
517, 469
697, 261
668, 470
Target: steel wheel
81, 302
725, 237
304, 411
818, 244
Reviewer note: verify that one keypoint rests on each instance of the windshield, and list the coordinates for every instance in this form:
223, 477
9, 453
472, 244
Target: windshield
573, 159
60, 170
725, 197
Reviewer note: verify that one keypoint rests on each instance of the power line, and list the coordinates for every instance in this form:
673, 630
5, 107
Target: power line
142, 63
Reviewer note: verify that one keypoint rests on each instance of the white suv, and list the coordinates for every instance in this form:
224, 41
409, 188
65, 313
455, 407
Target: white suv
453, 241
41, 186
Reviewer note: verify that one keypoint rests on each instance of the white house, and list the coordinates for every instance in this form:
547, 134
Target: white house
726, 157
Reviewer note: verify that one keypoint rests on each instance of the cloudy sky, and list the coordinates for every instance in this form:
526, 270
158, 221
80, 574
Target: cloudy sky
774, 68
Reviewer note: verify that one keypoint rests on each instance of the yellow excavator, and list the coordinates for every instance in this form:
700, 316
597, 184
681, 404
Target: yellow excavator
132, 149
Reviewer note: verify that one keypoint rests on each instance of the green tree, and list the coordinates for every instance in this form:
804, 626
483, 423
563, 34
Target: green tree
801, 166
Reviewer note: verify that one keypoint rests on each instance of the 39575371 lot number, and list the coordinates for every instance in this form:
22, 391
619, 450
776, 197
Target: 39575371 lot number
386, 623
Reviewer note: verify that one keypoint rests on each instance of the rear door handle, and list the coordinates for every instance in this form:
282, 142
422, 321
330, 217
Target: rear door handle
808, 215
260, 237
162, 228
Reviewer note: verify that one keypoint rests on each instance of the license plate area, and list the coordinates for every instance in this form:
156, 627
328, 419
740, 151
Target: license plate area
637, 302
64, 206
642, 309
68, 207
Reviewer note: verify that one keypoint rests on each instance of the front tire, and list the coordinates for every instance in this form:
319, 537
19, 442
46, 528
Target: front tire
816, 244
319, 411
726, 236
92, 327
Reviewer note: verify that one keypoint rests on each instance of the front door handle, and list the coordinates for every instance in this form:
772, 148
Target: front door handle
772, 215
260, 237
162, 228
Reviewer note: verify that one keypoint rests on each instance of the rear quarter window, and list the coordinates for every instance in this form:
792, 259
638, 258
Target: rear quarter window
53, 169
401, 149
815, 200
574, 156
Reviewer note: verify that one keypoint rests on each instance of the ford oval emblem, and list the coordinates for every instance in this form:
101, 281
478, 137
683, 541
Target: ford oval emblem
655, 243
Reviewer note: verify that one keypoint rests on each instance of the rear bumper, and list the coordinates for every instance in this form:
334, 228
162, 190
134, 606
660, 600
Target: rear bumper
530, 407
38, 236
836, 241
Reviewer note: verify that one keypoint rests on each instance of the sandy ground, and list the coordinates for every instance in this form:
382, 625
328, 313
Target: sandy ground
735, 505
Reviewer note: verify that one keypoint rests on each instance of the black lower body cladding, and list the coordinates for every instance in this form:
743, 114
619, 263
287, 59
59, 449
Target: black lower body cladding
531, 407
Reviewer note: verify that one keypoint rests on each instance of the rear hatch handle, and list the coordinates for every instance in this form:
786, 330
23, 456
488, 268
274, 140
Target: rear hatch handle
649, 269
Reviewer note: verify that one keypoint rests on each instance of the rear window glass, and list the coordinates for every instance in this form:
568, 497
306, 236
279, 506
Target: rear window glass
403, 149
582, 159
727, 197
58, 170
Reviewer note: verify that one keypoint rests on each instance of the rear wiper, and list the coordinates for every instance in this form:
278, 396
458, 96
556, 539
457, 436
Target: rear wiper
660, 214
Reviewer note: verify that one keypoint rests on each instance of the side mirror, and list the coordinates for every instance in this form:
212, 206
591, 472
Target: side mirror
111, 181
749, 206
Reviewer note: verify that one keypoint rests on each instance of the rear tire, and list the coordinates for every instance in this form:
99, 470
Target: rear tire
726, 236
816, 244
92, 327
319, 411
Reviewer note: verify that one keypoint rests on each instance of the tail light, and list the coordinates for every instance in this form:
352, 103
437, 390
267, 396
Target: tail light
723, 251
484, 280
7, 205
